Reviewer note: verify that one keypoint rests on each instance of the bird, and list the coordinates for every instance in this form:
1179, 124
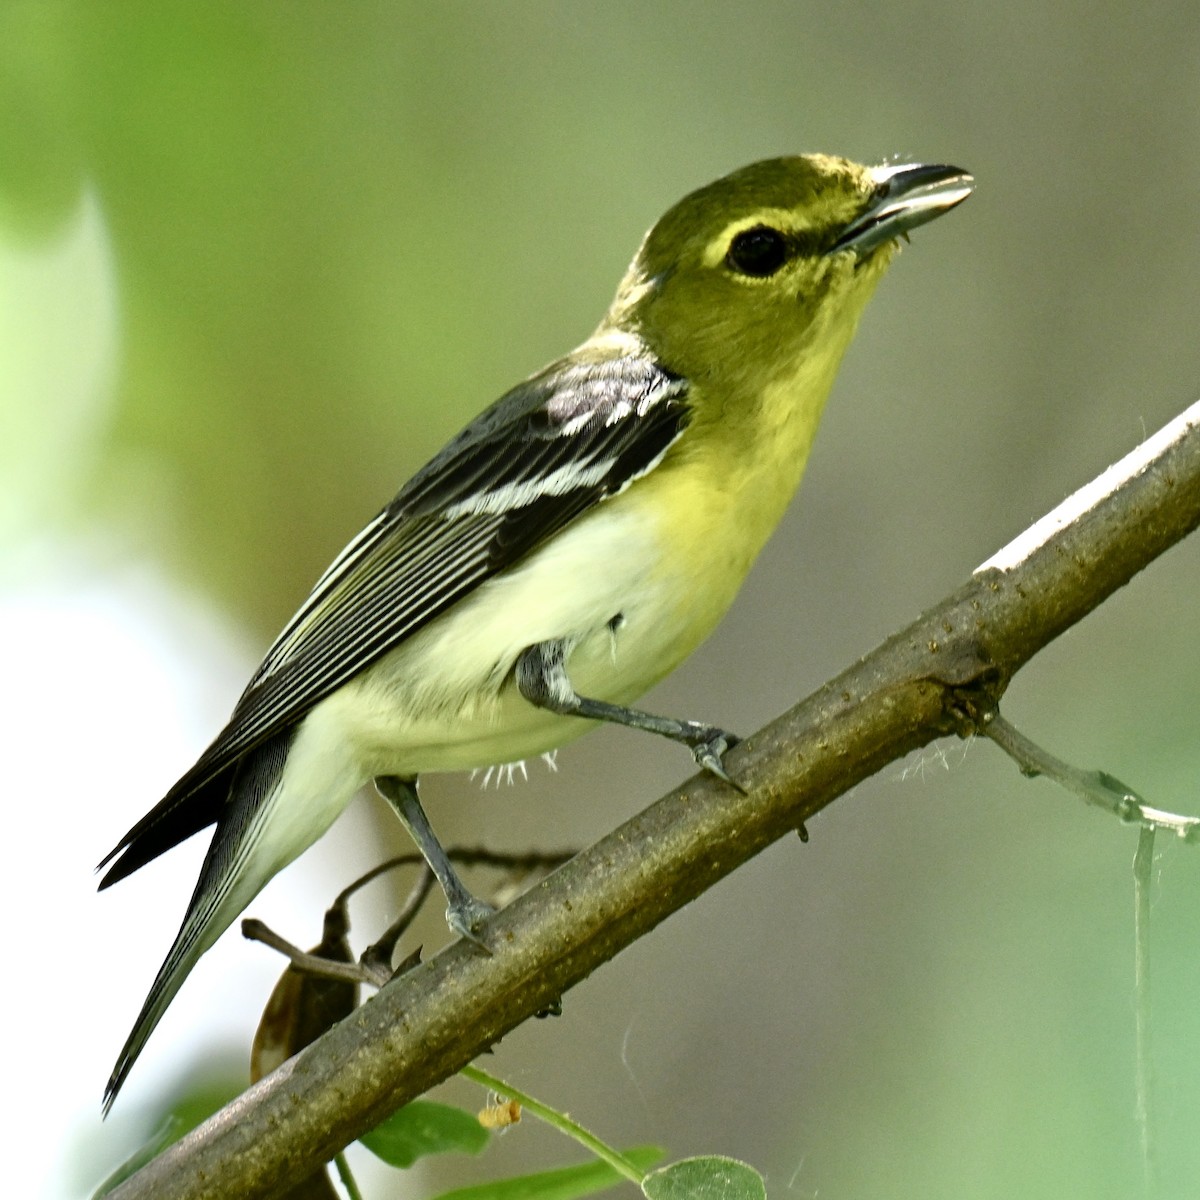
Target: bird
562, 553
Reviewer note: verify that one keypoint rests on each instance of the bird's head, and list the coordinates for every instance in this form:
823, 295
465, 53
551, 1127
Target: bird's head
772, 260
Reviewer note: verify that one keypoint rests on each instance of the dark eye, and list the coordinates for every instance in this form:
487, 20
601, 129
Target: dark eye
760, 251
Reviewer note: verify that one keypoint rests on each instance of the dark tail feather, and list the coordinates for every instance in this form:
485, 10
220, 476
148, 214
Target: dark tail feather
173, 820
227, 883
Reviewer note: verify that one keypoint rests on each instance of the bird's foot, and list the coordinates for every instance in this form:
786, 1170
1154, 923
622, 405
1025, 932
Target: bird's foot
468, 917
708, 745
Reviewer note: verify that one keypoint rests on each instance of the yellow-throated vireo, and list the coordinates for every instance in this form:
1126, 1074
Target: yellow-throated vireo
560, 555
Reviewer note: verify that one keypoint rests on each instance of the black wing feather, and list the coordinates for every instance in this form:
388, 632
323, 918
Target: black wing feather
536, 460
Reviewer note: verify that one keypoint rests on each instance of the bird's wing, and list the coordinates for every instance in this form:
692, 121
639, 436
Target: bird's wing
546, 452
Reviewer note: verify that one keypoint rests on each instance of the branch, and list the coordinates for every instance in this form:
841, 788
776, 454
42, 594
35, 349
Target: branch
943, 674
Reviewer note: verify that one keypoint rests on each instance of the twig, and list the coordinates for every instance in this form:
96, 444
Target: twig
1096, 787
347, 1178
374, 966
312, 964
1143, 864
558, 1120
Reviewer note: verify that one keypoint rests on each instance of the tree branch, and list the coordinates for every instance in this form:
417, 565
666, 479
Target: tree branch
943, 674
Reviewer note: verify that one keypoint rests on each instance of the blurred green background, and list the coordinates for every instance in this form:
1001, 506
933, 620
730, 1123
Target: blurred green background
257, 262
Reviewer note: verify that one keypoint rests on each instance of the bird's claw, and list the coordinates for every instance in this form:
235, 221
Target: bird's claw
468, 918
709, 750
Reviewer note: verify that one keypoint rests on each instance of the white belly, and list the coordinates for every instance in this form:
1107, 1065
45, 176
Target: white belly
445, 700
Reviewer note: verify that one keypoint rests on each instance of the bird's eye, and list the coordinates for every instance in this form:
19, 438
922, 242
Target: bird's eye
760, 251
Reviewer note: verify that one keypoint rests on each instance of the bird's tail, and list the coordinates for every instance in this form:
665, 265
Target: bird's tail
232, 875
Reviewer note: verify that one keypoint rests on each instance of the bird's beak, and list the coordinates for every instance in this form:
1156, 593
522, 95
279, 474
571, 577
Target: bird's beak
905, 196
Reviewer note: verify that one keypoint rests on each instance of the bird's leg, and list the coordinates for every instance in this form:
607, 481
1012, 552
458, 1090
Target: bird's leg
541, 675
465, 914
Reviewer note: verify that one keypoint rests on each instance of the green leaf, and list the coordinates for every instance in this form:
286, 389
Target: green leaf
568, 1183
424, 1127
709, 1178
190, 1111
